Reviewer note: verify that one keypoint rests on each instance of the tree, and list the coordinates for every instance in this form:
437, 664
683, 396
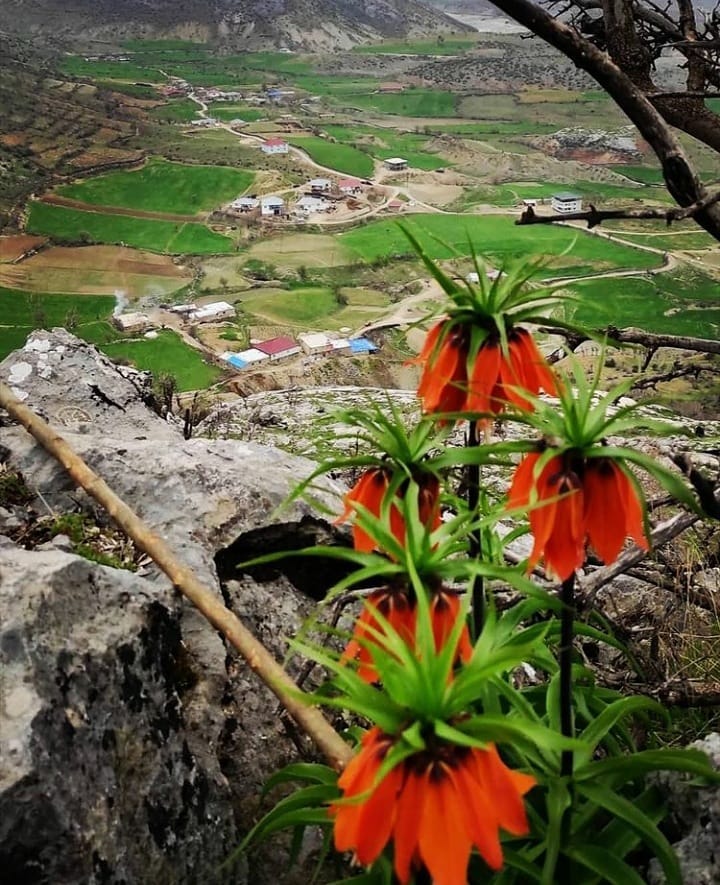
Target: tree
618, 42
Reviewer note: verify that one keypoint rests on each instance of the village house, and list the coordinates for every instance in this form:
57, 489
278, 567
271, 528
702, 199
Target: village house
183, 309
279, 348
132, 322
396, 205
490, 273
245, 204
237, 123
272, 206
275, 146
340, 345
244, 358
566, 202
308, 205
395, 164
361, 346
204, 122
350, 186
315, 342
218, 310
320, 185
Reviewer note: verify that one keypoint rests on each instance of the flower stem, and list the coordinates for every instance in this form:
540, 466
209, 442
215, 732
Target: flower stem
567, 620
476, 588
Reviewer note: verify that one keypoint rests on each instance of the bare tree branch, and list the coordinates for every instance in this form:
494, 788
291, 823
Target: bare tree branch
680, 177
638, 336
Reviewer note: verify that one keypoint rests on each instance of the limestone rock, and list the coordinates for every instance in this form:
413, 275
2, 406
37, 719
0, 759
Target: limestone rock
97, 780
694, 813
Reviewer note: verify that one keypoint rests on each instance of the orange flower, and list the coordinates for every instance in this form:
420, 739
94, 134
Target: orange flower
613, 511
443, 384
370, 490
399, 608
444, 612
395, 606
574, 500
435, 805
494, 380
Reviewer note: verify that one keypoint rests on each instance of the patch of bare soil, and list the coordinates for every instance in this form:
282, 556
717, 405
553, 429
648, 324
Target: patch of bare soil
57, 200
13, 247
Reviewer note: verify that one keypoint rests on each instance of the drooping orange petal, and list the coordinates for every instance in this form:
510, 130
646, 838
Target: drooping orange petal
444, 844
480, 818
411, 806
430, 344
357, 778
446, 386
484, 377
514, 378
444, 612
564, 550
634, 510
429, 502
377, 817
395, 606
506, 787
544, 508
523, 482
368, 491
605, 513
537, 373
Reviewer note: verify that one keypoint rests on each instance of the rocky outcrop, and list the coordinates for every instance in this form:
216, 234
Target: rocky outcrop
133, 743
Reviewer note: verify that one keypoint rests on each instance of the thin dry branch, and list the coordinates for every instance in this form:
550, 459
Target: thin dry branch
680, 177
638, 336
594, 216
258, 658
588, 587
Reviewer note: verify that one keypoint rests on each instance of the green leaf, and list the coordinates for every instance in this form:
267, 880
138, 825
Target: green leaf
610, 716
301, 771
625, 810
605, 863
621, 769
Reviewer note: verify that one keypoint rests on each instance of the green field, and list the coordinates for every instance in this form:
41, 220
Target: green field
110, 70
161, 186
413, 103
342, 157
134, 90
681, 303
22, 312
19, 308
314, 307
493, 127
499, 238
388, 143
74, 226
645, 174
167, 353
181, 110
596, 192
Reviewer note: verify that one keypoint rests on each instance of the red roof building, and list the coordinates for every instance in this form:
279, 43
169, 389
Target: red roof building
349, 184
275, 146
278, 348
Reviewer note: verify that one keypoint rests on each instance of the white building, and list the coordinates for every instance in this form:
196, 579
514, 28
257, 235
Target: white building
315, 342
278, 348
218, 310
245, 204
132, 322
320, 185
566, 202
275, 146
183, 309
272, 205
350, 185
309, 205
396, 164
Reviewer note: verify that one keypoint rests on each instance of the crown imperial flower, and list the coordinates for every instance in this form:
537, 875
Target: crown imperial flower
435, 806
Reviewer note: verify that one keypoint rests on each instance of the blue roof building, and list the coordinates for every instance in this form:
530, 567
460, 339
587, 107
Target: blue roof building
362, 345
236, 362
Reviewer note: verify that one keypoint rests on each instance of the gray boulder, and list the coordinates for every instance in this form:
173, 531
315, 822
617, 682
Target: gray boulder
133, 742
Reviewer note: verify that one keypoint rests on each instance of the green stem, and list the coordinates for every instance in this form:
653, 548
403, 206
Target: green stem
477, 589
567, 621
567, 624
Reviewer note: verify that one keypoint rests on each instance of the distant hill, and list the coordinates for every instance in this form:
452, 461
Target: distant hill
312, 24
49, 126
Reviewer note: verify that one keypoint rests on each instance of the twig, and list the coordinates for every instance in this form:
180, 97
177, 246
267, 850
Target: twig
595, 217
663, 533
638, 336
258, 658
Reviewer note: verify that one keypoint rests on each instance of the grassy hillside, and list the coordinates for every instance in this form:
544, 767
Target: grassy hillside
163, 187
73, 226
